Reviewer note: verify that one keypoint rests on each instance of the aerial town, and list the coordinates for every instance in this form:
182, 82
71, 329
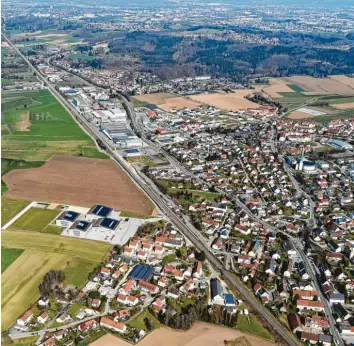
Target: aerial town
141, 202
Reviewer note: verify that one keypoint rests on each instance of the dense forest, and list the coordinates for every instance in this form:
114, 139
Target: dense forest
168, 55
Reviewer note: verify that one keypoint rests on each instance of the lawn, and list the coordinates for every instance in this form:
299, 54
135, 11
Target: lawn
8, 256
139, 323
254, 328
74, 309
10, 208
35, 219
43, 252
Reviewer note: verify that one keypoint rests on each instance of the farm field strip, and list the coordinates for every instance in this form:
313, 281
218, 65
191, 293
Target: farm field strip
36, 241
78, 181
20, 282
8, 256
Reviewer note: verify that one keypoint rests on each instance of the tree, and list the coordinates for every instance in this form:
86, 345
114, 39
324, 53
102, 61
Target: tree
94, 295
200, 256
181, 253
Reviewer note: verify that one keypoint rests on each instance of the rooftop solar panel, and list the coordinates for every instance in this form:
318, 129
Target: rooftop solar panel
140, 272
101, 210
70, 215
109, 223
82, 225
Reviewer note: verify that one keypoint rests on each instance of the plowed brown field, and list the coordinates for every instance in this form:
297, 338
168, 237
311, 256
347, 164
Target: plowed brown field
78, 181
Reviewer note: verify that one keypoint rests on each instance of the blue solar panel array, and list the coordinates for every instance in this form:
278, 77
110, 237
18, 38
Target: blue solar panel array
140, 272
70, 215
101, 210
109, 223
82, 225
132, 151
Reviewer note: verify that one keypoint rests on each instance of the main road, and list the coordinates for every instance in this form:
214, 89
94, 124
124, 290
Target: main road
189, 231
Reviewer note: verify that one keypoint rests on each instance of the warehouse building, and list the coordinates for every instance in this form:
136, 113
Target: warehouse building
67, 218
80, 229
132, 152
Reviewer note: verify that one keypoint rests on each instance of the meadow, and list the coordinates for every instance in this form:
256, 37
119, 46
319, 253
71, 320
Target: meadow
52, 130
8, 256
43, 252
10, 207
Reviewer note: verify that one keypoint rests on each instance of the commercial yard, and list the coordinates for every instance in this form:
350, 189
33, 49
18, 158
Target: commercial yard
200, 334
79, 181
43, 252
230, 101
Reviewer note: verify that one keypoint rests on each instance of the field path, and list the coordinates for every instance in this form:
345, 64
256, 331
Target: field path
18, 216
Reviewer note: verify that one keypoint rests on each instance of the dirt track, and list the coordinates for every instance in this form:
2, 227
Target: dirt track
78, 181
200, 334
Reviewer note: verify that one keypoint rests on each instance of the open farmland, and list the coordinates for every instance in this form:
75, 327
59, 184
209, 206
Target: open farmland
85, 249
276, 87
49, 129
201, 333
229, 101
156, 98
43, 252
349, 105
79, 181
343, 79
8, 256
325, 85
10, 208
178, 103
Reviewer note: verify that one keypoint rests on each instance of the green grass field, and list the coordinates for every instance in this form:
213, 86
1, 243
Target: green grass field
52, 130
43, 252
35, 219
295, 87
137, 103
339, 100
254, 328
8, 256
10, 208
139, 323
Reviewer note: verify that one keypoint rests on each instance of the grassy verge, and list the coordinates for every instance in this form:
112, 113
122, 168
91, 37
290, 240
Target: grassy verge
139, 323
35, 219
254, 328
8, 256
10, 208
